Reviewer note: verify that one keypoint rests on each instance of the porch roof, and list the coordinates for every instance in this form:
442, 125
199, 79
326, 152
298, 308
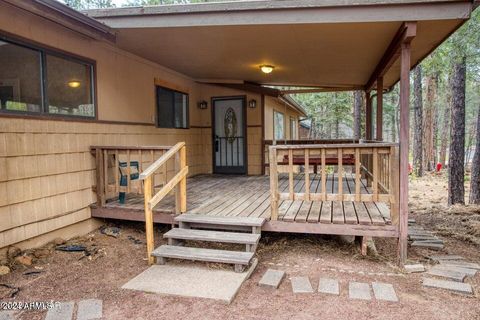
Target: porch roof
330, 44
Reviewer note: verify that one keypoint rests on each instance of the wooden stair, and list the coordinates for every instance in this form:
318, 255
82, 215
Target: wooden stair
212, 229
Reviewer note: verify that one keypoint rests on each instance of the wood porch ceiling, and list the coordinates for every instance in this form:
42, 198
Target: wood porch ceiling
335, 46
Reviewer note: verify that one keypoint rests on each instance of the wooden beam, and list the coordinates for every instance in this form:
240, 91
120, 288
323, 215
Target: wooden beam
320, 89
404, 147
405, 34
250, 87
368, 116
379, 113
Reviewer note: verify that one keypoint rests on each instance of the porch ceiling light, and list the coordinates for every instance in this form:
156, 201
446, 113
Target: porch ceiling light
74, 84
267, 68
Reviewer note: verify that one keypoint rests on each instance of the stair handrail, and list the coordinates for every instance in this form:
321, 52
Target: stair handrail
179, 181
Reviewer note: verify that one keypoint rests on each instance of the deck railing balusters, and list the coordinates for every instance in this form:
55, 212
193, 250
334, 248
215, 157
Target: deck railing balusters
382, 158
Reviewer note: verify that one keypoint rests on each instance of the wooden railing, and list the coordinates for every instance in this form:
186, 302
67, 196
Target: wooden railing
179, 181
382, 158
108, 173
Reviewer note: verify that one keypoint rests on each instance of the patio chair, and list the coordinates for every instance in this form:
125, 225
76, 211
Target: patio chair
134, 175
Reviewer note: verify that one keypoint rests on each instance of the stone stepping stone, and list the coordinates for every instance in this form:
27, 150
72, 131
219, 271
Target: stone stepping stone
359, 290
328, 285
468, 272
438, 258
61, 311
448, 285
462, 264
272, 278
445, 273
423, 238
89, 309
301, 285
384, 291
7, 315
427, 245
411, 268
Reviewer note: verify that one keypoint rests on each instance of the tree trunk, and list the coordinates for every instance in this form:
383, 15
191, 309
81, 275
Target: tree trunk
445, 130
475, 178
456, 168
429, 124
357, 114
418, 122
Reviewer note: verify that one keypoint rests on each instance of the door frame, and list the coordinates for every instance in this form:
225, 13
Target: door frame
245, 144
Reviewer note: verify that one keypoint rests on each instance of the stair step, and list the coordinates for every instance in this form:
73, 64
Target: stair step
214, 236
219, 220
200, 254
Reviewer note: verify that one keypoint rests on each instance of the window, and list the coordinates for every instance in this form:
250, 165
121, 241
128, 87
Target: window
278, 125
172, 108
35, 80
293, 128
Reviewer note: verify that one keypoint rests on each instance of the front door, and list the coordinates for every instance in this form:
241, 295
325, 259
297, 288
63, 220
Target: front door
229, 143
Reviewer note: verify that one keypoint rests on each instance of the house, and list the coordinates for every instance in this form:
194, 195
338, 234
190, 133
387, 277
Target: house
83, 93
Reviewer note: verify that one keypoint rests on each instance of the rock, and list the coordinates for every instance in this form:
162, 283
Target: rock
59, 241
4, 270
41, 253
111, 231
411, 268
13, 252
24, 260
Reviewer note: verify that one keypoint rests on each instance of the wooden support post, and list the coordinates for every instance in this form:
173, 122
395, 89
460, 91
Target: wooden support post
147, 191
375, 174
128, 171
379, 125
404, 145
105, 174
273, 183
178, 196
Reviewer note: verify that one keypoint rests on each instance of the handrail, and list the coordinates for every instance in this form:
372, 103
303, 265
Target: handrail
160, 161
179, 181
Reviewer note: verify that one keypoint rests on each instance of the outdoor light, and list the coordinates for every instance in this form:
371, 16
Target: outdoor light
266, 68
203, 104
74, 84
252, 103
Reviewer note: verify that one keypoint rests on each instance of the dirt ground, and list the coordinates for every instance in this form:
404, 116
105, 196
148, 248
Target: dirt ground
62, 276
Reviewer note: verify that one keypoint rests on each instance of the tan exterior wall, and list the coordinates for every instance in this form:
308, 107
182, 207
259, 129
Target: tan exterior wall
46, 169
271, 105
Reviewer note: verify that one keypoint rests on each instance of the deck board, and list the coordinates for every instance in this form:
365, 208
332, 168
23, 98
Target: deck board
249, 196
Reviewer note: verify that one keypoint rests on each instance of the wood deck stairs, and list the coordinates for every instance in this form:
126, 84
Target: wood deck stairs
212, 229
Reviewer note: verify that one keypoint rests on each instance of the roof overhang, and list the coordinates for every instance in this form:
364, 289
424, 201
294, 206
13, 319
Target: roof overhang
64, 15
336, 45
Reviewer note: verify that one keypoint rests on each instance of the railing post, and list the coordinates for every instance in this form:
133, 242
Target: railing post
183, 182
273, 183
290, 175
307, 174
375, 173
394, 185
100, 176
357, 175
147, 191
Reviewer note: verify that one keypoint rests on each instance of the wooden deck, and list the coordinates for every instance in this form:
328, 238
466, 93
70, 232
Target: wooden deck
223, 195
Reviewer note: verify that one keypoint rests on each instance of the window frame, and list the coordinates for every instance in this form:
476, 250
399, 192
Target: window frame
293, 128
284, 129
187, 126
43, 51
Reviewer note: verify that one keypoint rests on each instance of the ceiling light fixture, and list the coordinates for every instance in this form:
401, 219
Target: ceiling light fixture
74, 84
267, 68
